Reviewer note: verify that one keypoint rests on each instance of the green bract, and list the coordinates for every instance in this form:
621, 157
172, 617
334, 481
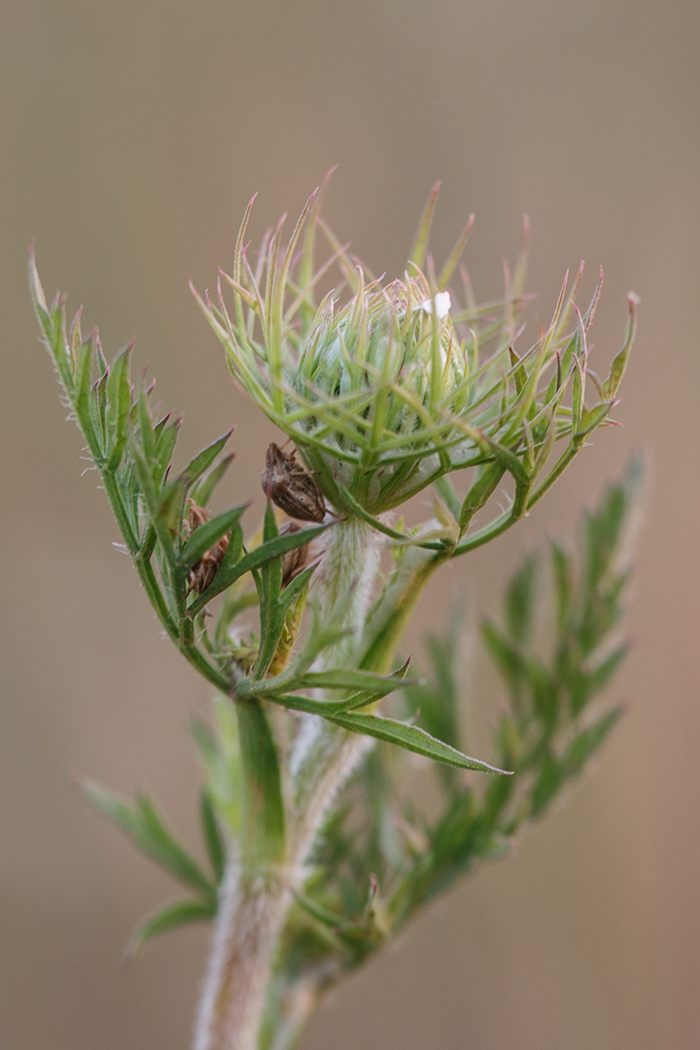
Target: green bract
386, 388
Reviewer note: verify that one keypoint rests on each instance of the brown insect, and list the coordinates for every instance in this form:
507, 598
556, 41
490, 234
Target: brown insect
203, 572
294, 561
290, 487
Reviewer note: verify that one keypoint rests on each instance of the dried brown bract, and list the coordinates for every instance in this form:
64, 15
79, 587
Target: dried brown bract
290, 487
203, 572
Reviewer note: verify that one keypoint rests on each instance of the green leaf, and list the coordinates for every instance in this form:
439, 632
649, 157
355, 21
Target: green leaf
171, 504
420, 243
208, 534
202, 491
83, 377
562, 571
544, 691
119, 402
387, 620
261, 555
153, 501
83, 400
619, 364
603, 672
549, 781
146, 436
480, 492
168, 851
591, 418
213, 840
518, 370
324, 708
367, 681
166, 432
144, 826
268, 582
519, 604
204, 459
52, 323
166, 918
577, 394
588, 741
370, 689
207, 744
445, 490
296, 586
411, 738
439, 700
454, 256
263, 822
511, 663
35, 286
219, 754
333, 920
110, 805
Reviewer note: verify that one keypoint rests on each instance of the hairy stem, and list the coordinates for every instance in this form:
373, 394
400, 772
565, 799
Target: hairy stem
253, 907
324, 755
343, 586
250, 918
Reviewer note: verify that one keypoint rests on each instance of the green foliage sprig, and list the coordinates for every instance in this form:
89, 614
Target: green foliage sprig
133, 454
381, 858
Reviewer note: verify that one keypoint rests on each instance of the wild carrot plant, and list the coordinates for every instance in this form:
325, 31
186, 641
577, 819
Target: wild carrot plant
315, 853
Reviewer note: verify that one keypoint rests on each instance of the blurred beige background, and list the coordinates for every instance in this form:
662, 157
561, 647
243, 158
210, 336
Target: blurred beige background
131, 137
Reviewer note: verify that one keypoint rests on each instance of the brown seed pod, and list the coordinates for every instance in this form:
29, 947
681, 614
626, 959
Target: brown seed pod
203, 572
290, 487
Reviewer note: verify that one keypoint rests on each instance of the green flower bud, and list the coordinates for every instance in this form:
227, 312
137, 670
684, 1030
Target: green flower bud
386, 387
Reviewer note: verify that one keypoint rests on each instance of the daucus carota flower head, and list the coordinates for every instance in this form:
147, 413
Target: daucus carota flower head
387, 386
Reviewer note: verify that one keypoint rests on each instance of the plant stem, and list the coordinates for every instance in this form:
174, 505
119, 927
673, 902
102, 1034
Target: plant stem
324, 755
251, 915
344, 583
301, 1002
253, 907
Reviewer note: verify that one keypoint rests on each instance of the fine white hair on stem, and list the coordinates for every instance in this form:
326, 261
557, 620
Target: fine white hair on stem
324, 755
252, 908
251, 915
